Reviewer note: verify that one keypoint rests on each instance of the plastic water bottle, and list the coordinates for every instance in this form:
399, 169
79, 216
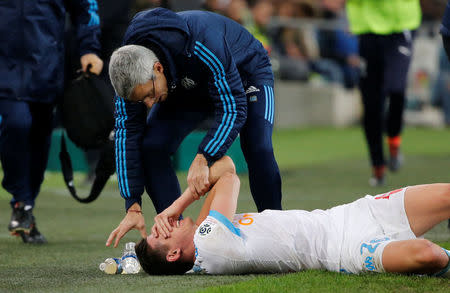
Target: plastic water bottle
130, 263
111, 266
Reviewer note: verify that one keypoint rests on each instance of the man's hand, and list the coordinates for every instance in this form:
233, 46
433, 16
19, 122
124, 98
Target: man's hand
165, 220
197, 178
132, 220
90, 58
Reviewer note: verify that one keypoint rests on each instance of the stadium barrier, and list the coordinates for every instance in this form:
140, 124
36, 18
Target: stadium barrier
302, 104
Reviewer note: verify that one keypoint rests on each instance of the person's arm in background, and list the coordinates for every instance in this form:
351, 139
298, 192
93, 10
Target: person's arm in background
129, 130
230, 108
167, 218
84, 14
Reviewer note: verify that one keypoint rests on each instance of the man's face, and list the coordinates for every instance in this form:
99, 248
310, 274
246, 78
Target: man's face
180, 237
153, 91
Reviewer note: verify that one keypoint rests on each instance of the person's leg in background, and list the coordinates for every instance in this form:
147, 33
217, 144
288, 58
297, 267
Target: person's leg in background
256, 144
398, 52
373, 97
40, 139
168, 125
23, 154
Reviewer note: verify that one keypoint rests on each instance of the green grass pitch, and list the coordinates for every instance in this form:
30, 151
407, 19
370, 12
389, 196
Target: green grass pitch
321, 167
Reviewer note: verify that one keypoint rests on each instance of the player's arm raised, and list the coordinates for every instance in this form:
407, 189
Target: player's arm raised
167, 218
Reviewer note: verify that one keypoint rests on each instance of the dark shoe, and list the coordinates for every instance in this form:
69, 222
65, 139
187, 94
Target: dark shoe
21, 220
395, 162
34, 237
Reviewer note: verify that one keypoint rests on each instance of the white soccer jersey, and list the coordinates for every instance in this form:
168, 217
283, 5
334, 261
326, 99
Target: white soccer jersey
269, 242
347, 238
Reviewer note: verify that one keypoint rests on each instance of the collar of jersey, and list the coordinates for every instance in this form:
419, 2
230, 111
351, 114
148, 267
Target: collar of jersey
224, 220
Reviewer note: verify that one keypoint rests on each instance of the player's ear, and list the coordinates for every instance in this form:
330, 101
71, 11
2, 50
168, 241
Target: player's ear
173, 255
158, 67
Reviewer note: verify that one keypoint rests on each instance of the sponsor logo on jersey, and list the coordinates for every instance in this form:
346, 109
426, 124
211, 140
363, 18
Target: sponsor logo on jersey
188, 83
369, 247
251, 89
204, 229
369, 263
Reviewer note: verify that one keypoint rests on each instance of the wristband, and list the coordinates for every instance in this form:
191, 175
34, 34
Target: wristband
135, 211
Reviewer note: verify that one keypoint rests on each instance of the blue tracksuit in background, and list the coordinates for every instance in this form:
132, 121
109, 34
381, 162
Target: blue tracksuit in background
214, 68
32, 77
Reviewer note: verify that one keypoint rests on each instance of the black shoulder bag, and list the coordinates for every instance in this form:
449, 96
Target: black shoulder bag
88, 116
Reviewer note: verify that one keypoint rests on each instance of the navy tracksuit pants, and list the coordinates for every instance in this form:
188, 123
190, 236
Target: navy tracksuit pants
25, 134
170, 122
388, 58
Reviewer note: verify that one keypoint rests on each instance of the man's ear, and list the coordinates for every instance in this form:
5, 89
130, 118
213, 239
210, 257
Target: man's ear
173, 255
158, 67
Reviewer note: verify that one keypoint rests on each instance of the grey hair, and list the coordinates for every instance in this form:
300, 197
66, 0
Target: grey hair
130, 66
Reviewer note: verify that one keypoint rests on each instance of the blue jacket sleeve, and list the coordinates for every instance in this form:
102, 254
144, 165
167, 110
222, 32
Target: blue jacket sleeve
445, 26
129, 131
84, 14
227, 93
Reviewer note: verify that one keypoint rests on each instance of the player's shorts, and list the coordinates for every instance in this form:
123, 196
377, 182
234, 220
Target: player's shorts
370, 224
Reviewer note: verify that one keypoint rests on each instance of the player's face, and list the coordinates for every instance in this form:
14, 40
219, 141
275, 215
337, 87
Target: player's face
181, 234
153, 91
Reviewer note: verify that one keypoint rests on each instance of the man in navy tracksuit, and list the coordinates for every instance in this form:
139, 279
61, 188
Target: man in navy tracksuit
206, 65
31, 70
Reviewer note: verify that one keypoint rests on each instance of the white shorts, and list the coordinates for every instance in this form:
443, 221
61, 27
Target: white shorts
370, 224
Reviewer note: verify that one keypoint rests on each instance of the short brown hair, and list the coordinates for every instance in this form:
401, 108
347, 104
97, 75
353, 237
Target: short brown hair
154, 261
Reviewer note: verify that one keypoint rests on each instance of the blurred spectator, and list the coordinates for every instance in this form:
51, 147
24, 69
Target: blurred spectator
256, 23
293, 47
441, 90
237, 10
297, 48
339, 45
217, 6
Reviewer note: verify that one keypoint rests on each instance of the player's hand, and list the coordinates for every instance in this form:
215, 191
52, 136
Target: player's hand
132, 220
94, 60
165, 220
197, 178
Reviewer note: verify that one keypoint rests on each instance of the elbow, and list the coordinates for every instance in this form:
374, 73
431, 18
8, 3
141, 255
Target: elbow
228, 165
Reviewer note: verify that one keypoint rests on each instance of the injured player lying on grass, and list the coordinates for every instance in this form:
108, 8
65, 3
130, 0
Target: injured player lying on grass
374, 233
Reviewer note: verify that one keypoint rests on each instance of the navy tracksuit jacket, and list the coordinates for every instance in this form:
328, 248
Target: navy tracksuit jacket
210, 62
32, 77
445, 29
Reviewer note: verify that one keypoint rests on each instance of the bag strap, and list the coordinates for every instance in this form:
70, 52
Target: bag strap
105, 168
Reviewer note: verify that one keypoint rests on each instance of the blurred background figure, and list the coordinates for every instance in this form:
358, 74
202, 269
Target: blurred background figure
340, 45
293, 46
256, 23
441, 90
386, 47
32, 70
238, 11
217, 6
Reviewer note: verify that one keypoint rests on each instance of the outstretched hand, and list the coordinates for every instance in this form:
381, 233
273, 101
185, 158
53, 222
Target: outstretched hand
132, 220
